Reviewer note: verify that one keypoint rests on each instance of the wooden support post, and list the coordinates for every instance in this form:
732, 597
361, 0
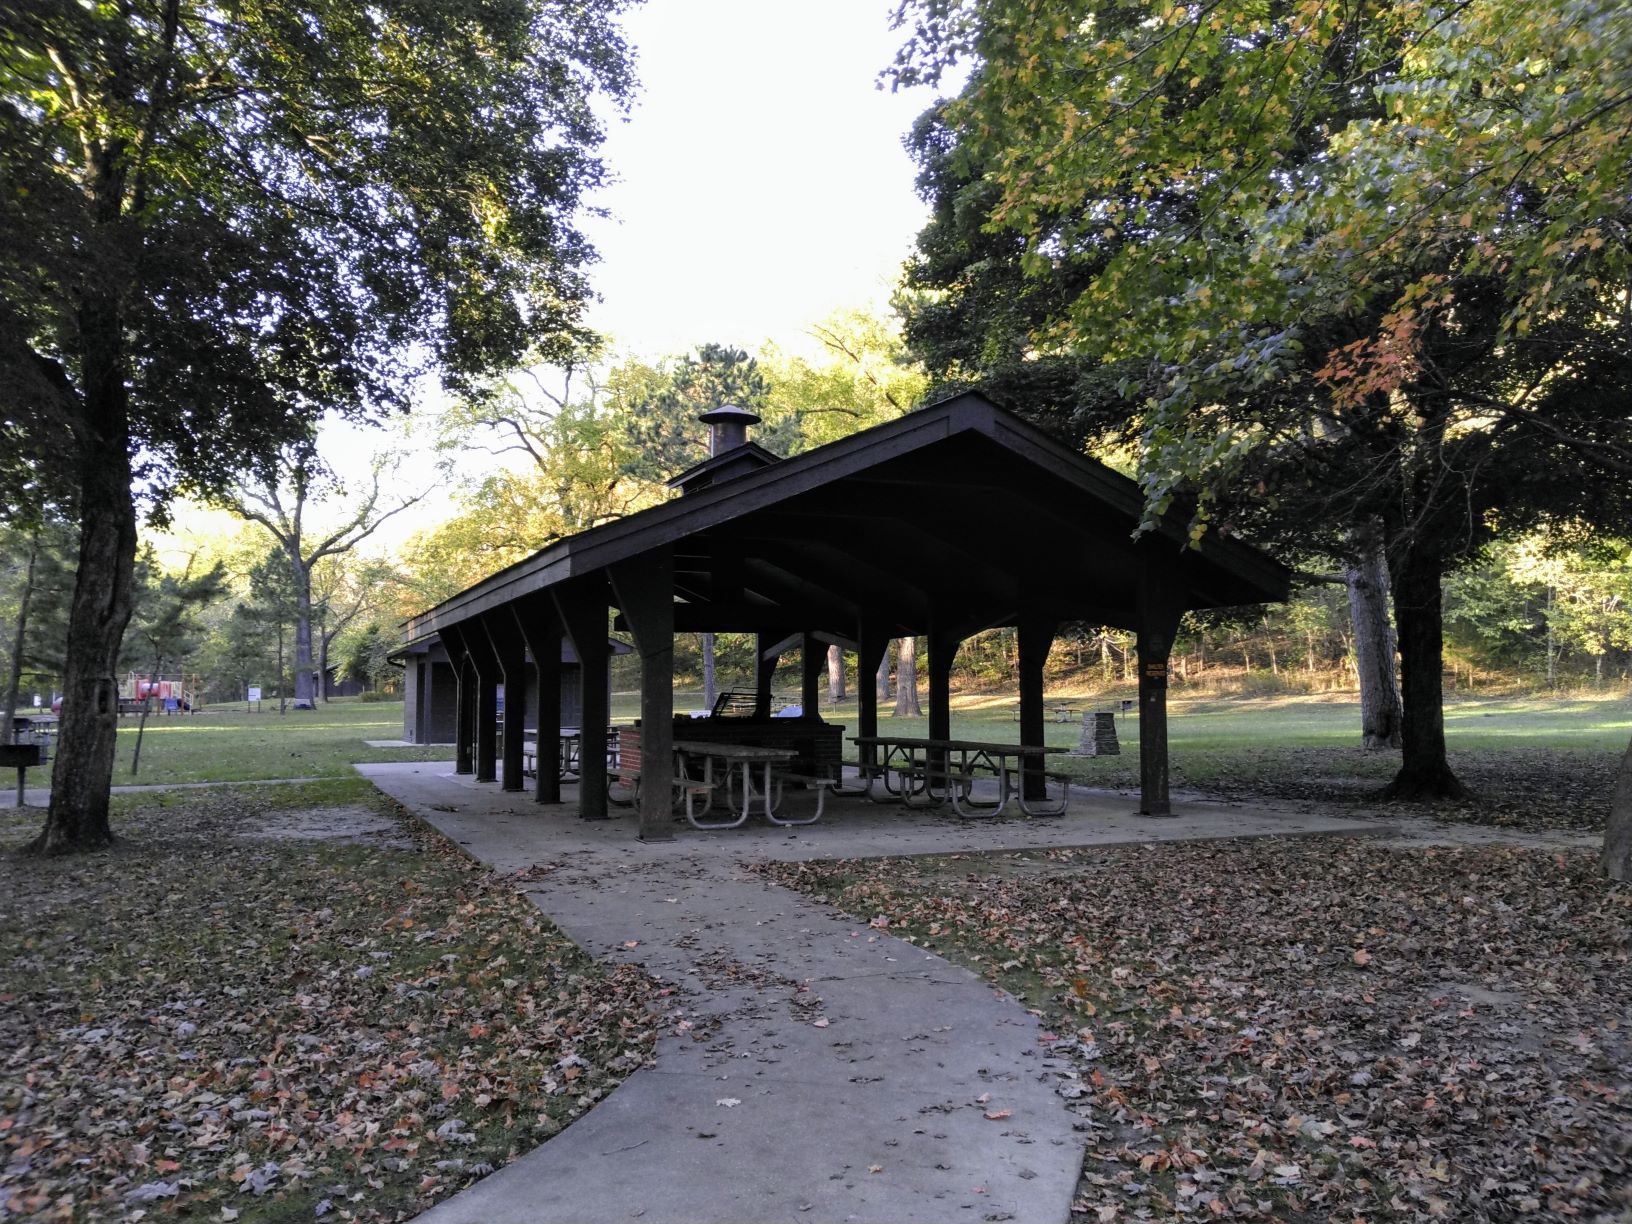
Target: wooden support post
764, 672
464, 702
1160, 606
540, 627
813, 660
486, 664
582, 608
1034, 637
644, 590
943, 649
868, 656
511, 654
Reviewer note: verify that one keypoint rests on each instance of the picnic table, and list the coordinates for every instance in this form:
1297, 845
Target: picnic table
731, 768
1061, 709
571, 748
929, 772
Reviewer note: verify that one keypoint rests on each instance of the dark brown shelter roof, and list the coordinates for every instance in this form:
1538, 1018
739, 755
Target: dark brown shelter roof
959, 513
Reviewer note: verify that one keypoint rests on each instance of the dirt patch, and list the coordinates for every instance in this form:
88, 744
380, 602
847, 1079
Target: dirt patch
355, 825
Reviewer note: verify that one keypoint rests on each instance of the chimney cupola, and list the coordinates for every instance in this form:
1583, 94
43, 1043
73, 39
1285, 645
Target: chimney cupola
727, 428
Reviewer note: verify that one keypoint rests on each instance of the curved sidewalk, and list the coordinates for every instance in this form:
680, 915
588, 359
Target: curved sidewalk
816, 1070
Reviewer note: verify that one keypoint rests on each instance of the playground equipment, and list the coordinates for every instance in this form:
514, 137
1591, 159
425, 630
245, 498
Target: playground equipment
173, 693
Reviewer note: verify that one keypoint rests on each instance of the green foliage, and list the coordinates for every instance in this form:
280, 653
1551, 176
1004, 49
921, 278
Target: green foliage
283, 208
1369, 242
866, 379
665, 437
583, 444
52, 588
166, 627
363, 656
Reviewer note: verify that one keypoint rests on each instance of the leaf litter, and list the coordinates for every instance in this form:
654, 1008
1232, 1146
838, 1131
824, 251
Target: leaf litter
1514, 787
1305, 1030
198, 1024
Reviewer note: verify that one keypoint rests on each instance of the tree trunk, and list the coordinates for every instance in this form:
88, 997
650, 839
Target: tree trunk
321, 675
301, 575
881, 681
906, 679
77, 818
14, 682
1617, 860
709, 682
283, 689
835, 674
1367, 582
1425, 773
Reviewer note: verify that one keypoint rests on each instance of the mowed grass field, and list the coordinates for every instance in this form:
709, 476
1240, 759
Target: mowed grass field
235, 745
1531, 761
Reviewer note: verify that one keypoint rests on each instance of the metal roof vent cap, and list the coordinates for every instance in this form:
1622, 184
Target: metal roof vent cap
727, 427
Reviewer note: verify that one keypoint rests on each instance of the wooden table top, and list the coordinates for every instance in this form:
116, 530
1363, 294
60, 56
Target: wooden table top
955, 745
734, 752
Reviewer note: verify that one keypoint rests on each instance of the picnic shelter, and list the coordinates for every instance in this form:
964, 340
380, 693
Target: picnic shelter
950, 520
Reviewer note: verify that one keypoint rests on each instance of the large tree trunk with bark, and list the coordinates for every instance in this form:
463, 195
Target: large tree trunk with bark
300, 572
77, 818
321, 675
1618, 837
906, 679
1367, 582
710, 683
1425, 773
835, 674
14, 682
881, 678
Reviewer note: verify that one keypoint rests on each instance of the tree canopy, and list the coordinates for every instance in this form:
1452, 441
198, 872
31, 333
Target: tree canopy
221, 223
1327, 265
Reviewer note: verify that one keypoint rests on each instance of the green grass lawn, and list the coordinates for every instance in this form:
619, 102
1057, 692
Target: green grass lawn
1533, 761
234, 745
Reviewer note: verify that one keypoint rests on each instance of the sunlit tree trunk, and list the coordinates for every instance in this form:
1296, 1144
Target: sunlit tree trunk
835, 674
906, 679
1367, 583
300, 572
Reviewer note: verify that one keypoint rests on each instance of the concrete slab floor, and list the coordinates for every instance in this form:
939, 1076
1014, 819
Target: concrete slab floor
815, 1070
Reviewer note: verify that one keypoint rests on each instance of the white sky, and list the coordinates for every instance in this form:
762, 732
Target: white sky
759, 184
761, 179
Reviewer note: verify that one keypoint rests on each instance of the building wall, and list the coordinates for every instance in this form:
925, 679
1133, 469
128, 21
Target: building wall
413, 673
440, 712
430, 708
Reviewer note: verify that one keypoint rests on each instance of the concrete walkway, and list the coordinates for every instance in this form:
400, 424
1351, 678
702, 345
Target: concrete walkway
816, 1070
